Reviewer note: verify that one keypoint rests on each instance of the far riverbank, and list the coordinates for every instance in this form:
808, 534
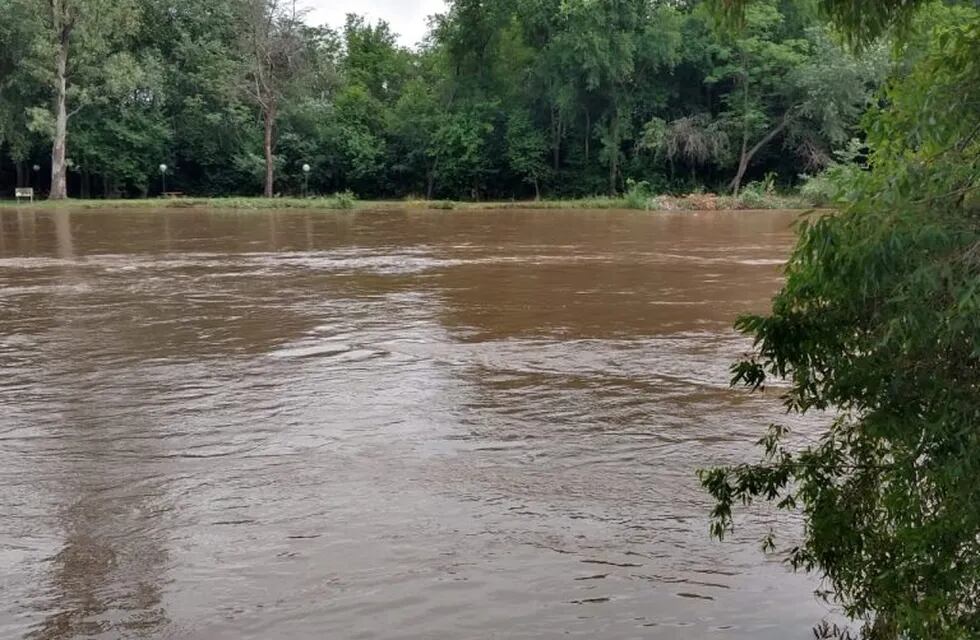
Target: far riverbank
692, 202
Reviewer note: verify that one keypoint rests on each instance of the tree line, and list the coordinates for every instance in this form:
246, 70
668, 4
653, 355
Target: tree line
504, 99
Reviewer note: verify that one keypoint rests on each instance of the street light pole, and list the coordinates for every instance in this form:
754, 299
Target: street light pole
163, 179
306, 180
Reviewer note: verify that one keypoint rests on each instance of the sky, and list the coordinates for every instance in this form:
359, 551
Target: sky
406, 17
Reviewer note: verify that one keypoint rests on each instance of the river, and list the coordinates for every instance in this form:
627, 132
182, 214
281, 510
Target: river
398, 424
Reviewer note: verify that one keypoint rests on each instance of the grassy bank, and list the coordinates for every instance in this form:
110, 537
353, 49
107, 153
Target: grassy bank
341, 202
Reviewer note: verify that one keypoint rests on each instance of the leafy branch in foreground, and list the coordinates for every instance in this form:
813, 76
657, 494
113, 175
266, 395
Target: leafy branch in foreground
878, 324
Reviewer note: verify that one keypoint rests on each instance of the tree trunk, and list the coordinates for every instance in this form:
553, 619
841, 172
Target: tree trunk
614, 152
743, 162
556, 135
588, 134
613, 171
59, 180
270, 119
747, 155
430, 183
19, 168
537, 189
86, 184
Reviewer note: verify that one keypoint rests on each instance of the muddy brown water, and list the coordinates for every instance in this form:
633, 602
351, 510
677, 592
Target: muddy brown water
399, 424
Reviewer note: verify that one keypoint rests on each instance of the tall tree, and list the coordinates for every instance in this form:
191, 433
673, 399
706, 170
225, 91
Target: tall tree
64, 17
274, 51
789, 81
19, 90
602, 40
74, 43
373, 58
526, 147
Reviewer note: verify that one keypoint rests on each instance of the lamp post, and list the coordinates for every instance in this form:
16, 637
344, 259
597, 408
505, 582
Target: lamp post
306, 180
37, 173
163, 179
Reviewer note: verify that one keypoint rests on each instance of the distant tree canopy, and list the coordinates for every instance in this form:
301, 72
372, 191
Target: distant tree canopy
878, 325
508, 99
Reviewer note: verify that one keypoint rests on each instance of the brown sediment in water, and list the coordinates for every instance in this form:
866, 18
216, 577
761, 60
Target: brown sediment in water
397, 424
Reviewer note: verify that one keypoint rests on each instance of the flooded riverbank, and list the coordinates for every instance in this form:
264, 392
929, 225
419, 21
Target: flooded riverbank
381, 425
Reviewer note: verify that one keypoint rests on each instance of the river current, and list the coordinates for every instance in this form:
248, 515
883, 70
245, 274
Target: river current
383, 424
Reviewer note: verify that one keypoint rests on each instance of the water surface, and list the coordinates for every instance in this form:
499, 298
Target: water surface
412, 424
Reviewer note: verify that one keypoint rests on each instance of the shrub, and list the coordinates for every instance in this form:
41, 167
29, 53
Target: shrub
753, 196
343, 200
818, 190
638, 194
878, 326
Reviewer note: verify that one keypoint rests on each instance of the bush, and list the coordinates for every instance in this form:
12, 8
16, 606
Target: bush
638, 194
876, 329
753, 196
833, 185
343, 200
818, 190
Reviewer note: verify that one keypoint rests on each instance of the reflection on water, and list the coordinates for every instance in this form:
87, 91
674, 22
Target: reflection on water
380, 425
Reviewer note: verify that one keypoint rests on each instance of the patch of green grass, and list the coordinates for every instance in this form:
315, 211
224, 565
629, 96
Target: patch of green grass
347, 201
344, 200
444, 205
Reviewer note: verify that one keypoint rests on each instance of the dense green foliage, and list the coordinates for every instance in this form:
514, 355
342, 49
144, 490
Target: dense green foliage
510, 99
878, 325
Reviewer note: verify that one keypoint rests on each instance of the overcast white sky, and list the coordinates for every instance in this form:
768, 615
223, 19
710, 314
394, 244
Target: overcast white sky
406, 17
